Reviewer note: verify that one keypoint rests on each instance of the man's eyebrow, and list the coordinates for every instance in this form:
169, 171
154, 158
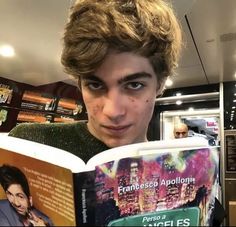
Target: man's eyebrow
135, 76
126, 78
93, 78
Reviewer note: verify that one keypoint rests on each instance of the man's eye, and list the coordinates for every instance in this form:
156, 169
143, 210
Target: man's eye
20, 197
94, 86
134, 85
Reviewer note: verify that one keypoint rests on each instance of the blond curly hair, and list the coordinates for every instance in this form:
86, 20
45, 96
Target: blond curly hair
145, 27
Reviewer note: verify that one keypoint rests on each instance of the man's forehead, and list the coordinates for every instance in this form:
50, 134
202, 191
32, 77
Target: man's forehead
181, 129
15, 188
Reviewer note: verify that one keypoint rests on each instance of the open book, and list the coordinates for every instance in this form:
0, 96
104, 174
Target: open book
159, 183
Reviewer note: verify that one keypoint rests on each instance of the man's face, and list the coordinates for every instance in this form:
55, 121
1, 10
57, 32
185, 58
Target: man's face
18, 199
181, 132
120, 99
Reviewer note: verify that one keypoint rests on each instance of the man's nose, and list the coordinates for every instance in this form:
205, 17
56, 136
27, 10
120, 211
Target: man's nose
114, 105
15, 201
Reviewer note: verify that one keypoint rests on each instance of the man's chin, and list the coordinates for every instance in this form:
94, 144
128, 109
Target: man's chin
112, 143
24, 214
21, 213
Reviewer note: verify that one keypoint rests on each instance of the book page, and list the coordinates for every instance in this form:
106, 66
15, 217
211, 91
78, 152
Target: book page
50, 188
43, 152
166, 188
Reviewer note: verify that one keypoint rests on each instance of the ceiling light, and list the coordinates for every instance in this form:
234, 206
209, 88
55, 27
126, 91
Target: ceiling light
178, 94
169, 82
179, 102
233, 107
7, 51
234, 100
190, 109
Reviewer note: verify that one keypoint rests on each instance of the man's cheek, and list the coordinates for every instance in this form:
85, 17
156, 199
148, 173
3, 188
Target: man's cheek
93, 109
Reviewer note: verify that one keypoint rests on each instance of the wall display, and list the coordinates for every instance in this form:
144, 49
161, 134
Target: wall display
229, 89
30, 116
5, 93
38, 101
60, 119
230, 145
11, 92
3, 116
69, 106
7, 118
56, 102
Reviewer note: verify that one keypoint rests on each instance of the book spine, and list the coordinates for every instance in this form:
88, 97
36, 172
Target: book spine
85, 198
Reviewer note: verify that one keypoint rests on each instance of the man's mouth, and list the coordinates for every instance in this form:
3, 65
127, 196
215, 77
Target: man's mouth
120, 129
20, 210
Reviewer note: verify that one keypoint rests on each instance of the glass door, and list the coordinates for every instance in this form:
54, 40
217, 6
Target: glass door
200, 122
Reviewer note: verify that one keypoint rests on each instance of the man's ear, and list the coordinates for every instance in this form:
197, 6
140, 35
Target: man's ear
31, 201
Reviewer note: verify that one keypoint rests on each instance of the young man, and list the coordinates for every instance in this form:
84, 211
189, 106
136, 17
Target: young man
17, 209
121, 52
180, 131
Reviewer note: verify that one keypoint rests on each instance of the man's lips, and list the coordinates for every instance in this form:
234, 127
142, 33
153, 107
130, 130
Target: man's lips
116, 129
20, 210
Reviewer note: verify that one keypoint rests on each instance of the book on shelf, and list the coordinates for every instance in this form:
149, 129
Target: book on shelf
158, 183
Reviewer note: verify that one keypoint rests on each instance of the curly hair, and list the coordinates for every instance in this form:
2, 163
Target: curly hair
145, 27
